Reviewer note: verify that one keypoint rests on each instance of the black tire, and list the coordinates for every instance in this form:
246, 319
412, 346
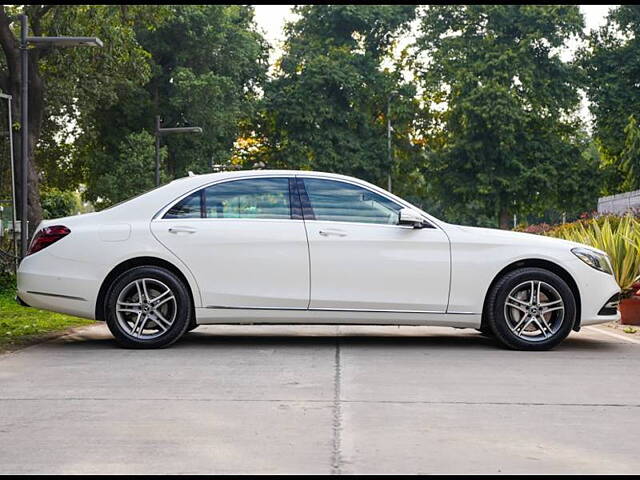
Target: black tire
179, 305
486, 331
499, 314
192, 326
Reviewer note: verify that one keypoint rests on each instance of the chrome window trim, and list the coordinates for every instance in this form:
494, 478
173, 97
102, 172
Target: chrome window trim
365, 187
165, 209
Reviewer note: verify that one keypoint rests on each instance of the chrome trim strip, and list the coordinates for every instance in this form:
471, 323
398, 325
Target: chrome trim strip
223, 307
371, 310
365, 310
57, 295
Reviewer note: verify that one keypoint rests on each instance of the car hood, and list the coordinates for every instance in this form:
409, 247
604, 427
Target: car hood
494, 235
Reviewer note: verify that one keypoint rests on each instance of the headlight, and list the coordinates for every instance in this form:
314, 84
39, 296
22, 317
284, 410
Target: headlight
594, 259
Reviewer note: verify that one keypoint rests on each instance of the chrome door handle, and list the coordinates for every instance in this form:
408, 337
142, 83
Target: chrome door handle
182, 230
337, 233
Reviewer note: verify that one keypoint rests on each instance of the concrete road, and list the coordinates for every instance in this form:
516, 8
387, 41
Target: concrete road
321, 400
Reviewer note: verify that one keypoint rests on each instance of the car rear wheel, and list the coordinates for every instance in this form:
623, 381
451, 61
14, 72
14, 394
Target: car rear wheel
531, 309
148, 307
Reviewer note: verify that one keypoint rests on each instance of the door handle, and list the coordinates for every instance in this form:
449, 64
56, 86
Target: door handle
182, 230
336, 233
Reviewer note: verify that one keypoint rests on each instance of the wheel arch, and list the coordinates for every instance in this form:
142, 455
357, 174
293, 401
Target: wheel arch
137, 262
540, 263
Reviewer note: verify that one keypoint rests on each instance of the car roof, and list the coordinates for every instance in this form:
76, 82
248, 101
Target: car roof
206, 177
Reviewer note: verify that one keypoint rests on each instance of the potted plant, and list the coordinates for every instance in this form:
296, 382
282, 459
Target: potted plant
630, 307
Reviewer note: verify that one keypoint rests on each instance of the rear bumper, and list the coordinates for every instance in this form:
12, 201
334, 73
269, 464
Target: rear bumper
72, 292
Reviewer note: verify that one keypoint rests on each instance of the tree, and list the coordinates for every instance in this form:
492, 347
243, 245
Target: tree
612, 67
326, 107
65, 84
207, 63
127, 175
630, 156
503, 103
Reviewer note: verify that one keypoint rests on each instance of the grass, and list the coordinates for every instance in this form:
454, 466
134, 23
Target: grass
22, 326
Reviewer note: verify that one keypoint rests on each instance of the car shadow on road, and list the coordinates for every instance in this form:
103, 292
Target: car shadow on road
247, 336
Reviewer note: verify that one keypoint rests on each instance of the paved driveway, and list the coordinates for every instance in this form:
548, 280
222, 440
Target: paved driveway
321, 400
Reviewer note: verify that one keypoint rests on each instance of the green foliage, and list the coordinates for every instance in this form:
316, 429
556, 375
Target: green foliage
59, 203
129, 173
7, 282
612, 68
206, 63
20, 326
326, 108
82, 81
630, 156
506, 104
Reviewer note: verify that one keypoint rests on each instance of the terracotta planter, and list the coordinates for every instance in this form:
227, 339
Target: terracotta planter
630, 311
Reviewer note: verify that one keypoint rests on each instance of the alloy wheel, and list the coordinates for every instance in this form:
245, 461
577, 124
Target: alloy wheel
146, 308
534, 310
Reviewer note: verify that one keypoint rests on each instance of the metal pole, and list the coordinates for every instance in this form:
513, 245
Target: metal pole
24, 129
13, 189
389, 160
157, 150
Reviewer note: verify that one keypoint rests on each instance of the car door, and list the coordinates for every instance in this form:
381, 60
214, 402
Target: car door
244, 241
361, 259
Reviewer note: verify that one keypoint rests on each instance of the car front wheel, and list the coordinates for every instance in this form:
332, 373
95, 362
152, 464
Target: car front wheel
531, 309
148, 307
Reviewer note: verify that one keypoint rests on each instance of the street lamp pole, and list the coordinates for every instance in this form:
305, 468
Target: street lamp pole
157, 150
25, 41
24, 130
389, 160
164, 131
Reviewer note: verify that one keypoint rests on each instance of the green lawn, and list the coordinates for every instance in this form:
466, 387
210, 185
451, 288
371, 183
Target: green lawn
20, 326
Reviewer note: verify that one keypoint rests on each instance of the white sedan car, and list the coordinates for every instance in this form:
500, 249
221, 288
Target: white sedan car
294, 247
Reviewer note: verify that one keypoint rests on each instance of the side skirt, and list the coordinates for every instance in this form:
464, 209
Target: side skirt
241, 316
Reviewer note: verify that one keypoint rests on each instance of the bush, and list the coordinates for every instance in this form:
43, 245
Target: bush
7, 282
618, 236
58, 203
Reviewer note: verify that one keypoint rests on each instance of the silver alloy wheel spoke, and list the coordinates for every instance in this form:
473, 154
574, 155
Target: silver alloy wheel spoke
526, 325
158, 297
146, 308
163, 321
545, 324
522, 303
547, 310
137, 324
549, 304
129, 310
533, 287
524, 319
144, 289
164, 301
140, 295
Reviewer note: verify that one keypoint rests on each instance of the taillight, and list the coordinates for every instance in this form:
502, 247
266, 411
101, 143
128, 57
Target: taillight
46, 236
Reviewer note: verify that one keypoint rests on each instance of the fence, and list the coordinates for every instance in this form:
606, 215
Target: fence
619, 203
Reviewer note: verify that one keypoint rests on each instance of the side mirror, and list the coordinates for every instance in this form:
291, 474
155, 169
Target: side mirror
409, 216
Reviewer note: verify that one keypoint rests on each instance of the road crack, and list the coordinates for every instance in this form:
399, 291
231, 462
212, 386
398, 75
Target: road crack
336, 454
